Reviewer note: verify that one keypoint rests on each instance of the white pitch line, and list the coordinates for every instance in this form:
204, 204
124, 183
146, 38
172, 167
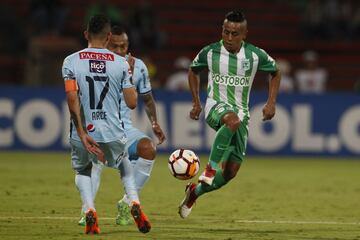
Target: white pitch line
239, 221
48, 217
298, 222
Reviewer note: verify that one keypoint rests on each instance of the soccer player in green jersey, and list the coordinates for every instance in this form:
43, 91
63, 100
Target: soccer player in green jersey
232, 64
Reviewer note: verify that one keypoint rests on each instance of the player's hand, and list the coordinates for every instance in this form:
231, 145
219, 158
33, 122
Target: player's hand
195, 111
131, 61
268, 111
158, 132
92, 147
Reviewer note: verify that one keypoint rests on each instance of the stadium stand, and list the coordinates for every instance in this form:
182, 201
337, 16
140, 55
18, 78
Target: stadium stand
189, 25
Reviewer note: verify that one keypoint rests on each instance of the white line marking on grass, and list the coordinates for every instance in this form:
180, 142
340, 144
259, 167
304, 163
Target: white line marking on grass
239, 221
297, 222
48, 217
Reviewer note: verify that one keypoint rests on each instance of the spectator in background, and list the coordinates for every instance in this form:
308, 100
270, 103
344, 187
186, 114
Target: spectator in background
313, 20
337, 18
152, 70
13, 45
355, 22
104, 7
287, 81
346, 16
311, 78
47, 46
13, 40
144, 30
46, 17
357, 86
179, 79
328, 19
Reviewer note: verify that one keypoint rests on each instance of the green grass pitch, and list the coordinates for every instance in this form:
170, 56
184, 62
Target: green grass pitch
271, 198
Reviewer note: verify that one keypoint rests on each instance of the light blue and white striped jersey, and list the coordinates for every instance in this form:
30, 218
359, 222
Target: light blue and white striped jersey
141, 81
100, 75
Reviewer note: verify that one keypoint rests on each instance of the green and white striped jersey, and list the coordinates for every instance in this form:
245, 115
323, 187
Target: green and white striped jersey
231, 75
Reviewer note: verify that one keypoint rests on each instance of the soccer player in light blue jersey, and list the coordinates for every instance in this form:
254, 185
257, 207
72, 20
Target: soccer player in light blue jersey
141, 150
232, 64
95, 81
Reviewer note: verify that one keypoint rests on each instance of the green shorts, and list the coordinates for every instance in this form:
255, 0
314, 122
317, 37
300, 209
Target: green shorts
239, 140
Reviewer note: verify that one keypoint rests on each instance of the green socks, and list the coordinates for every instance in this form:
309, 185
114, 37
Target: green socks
220, 151
218, 182
220, 145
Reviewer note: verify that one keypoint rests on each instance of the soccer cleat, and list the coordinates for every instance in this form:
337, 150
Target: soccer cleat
123, 217
82, 220
189, 200
91, 222
140, 218
207, 177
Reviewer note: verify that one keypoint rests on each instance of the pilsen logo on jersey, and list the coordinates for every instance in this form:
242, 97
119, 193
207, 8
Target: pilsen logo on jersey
245, 64
97, 56
97, 66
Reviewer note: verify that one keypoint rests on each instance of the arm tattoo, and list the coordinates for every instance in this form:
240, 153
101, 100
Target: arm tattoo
150, 107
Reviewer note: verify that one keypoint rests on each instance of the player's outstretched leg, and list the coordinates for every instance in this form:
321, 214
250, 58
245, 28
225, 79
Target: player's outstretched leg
207, 177
92, 226
83, 184
140, 218
142, 153
95, 183
189, 200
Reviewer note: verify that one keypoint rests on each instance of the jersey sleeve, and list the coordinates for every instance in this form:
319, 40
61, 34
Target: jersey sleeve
266, 62
143, 85
68, 75
68, 70
200, 61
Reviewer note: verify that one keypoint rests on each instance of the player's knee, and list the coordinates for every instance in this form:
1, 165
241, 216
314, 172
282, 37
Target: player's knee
234, 124
86, 171
146, 149
232, 121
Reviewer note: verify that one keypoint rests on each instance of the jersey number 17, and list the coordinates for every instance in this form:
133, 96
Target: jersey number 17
92, 81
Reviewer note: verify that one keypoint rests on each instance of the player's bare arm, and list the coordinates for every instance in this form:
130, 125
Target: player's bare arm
130, 96
150, 109
194, 84
89, 143
269, 108
131, 62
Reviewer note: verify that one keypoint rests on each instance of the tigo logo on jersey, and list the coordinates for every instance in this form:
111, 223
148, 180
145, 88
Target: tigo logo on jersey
97, 66
90, 127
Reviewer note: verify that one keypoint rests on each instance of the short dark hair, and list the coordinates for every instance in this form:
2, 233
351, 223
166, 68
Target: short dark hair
99, 26
235, 16
118, 29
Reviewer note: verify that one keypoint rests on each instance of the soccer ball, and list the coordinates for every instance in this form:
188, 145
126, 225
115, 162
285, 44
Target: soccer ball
183, 164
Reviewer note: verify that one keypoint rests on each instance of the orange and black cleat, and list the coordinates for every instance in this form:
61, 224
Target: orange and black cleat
140, 218
92, 226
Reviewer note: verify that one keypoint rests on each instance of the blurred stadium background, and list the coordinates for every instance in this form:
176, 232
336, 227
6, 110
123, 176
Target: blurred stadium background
316, 44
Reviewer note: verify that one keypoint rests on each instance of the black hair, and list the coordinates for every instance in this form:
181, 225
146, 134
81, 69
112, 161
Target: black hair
118, 29
235, 16
99, 25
